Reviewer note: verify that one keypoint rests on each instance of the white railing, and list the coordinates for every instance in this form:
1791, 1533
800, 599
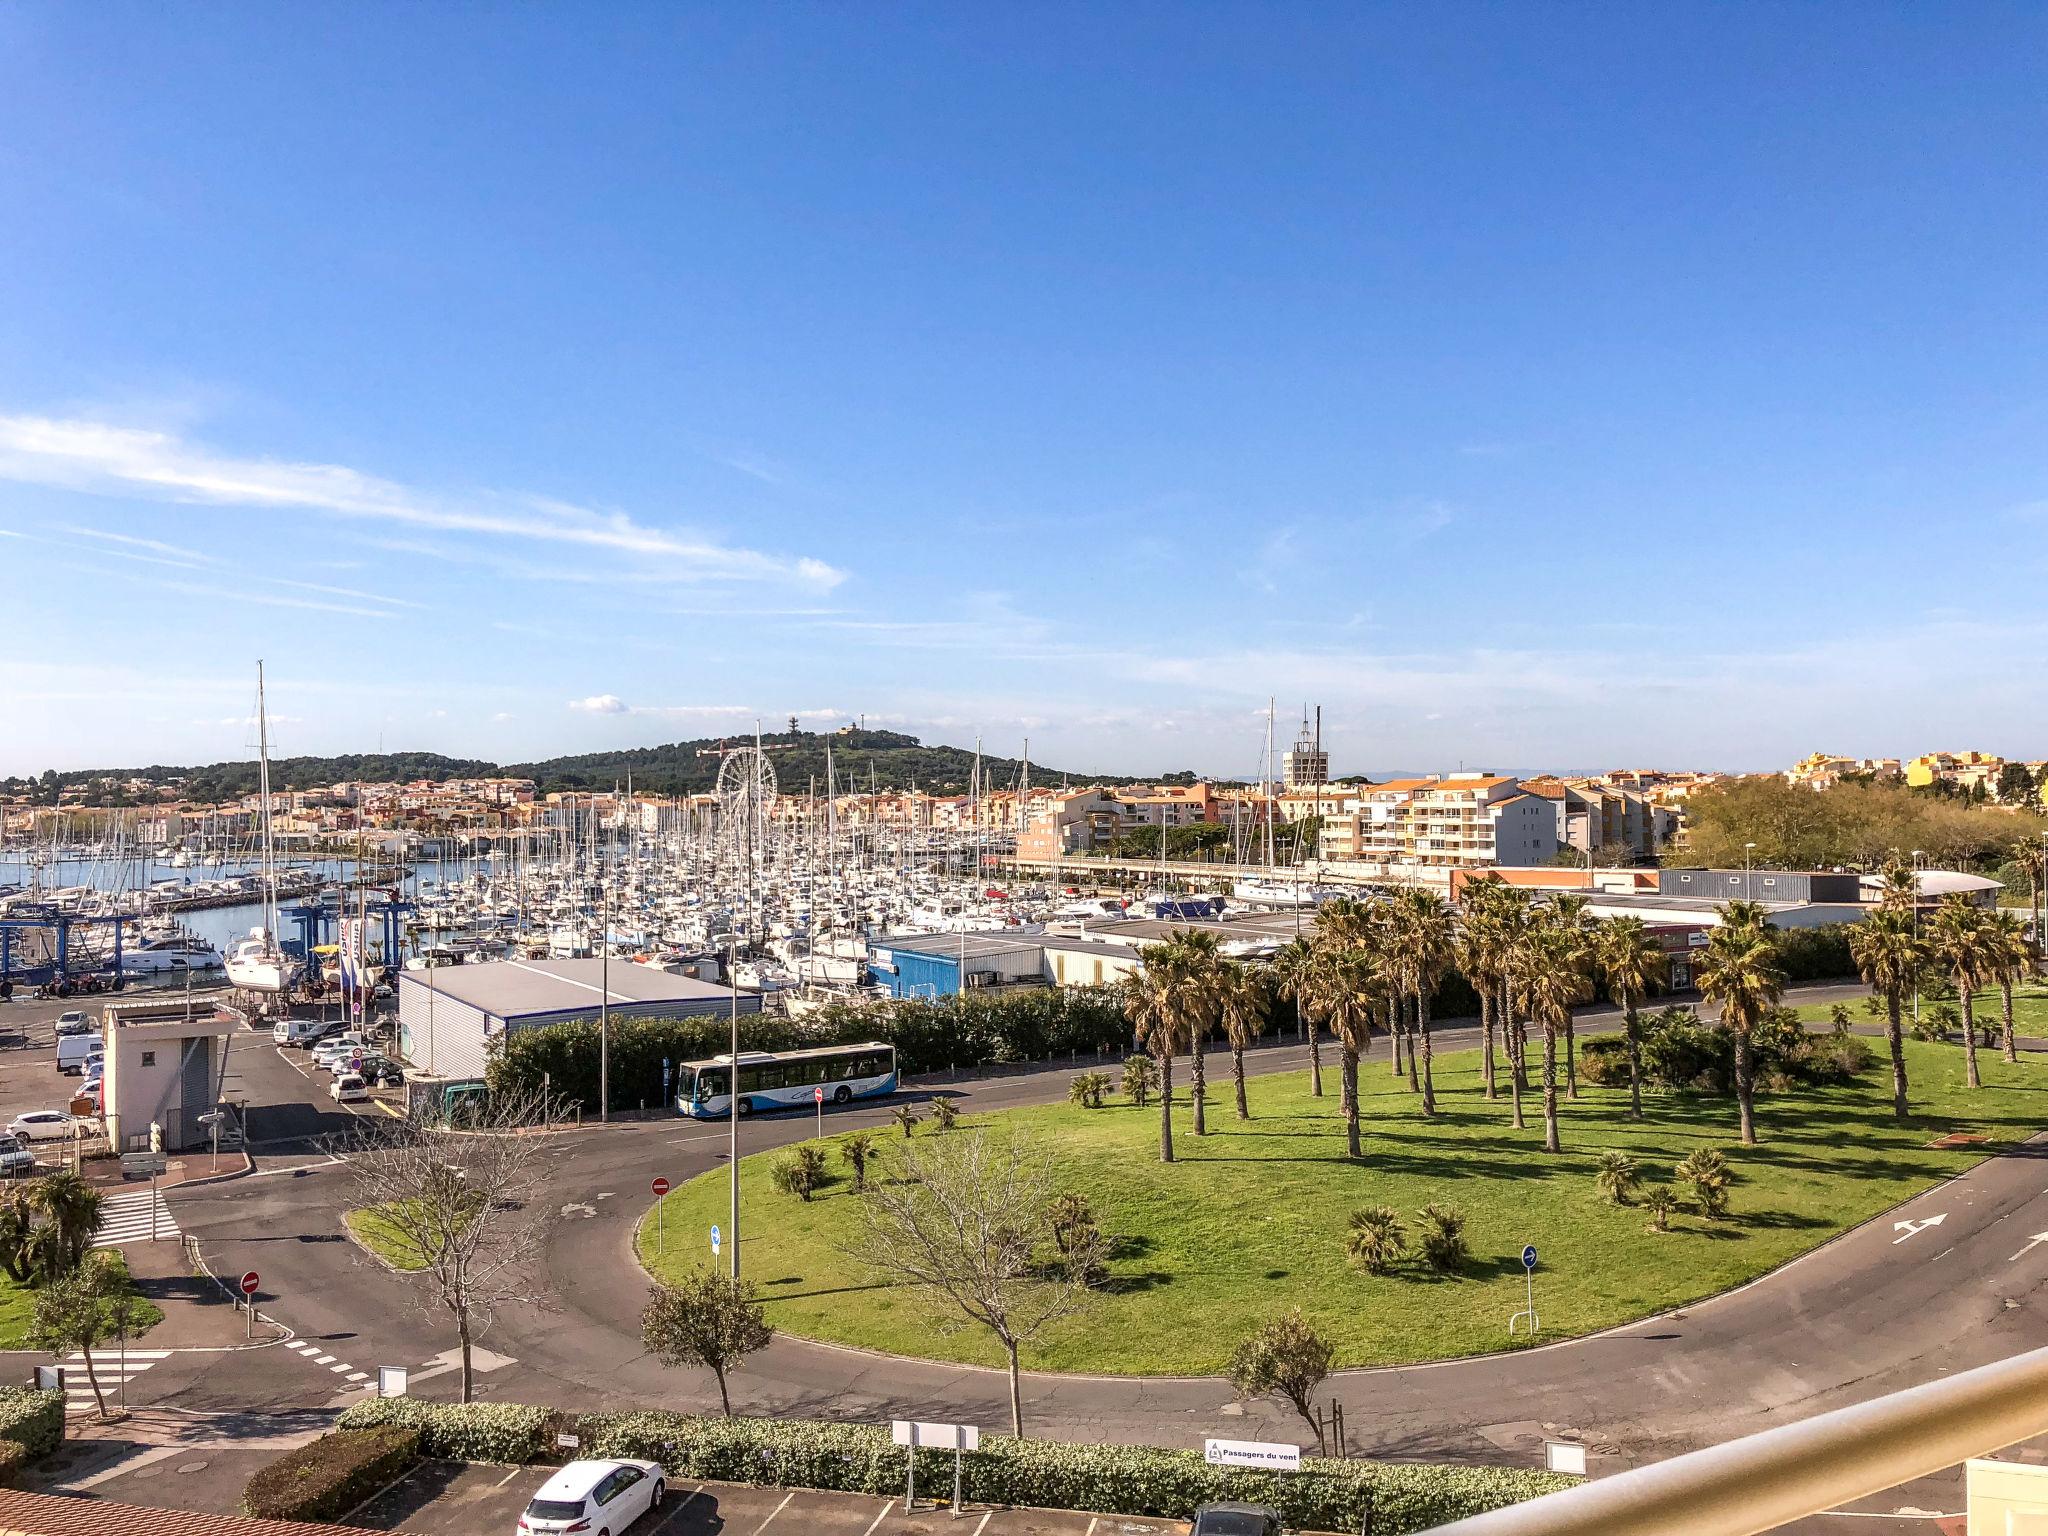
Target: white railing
1766, 1480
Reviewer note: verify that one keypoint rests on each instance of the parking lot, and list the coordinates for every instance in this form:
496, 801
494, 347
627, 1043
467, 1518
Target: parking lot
29, 1079
486, 1501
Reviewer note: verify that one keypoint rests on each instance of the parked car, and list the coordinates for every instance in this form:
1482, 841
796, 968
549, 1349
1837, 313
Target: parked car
349, 1089
16, 1161
90, 1080
601, 1497
1236, 1520
75, 1051
41, 1125
341, 1045
73, 1023
381, 1073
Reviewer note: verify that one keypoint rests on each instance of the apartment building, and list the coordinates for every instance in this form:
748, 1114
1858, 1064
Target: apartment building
1823, 770
1445, 822
1604, 819
1967, 771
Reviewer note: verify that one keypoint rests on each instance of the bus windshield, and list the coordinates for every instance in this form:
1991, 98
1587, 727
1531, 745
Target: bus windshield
710, 1083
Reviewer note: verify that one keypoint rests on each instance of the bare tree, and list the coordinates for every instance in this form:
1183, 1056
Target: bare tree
458, 1209
968, 1220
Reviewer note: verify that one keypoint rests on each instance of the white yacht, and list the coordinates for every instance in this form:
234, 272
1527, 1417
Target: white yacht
177, 952
258, 965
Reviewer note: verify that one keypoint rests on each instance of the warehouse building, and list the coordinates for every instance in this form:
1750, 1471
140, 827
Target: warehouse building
449, 1015
941, 964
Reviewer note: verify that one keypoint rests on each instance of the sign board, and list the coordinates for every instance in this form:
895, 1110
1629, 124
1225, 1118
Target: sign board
715, 1240
50, 1378
1264, 1454
2005, 1496
1696, 940
660, 1187
391, 1381
143, 1165
1529, 1257
249, 1283
817, 1095
567, 1442
1564, 1456
943, 1437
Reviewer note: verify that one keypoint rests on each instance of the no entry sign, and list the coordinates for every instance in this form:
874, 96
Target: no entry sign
249, 1283
660, 1187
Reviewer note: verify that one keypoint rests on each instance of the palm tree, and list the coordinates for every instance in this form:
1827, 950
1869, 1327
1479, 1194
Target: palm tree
1549, 965
1478, 958
1511, 919
1421, 947
70, 1216
1148, 1004
1890, 957
1568, 913
2011, 954
1294, 975
1745, 914
1958, 936
1194, 966
1633, 962
1900, 889
1346, 979
1739, 971
1246, 996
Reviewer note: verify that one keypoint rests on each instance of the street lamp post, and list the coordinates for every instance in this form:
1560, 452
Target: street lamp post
1916, 932
1748, 872
733, 1104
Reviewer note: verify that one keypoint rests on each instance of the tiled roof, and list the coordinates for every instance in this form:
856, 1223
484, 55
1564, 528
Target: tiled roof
44, 1514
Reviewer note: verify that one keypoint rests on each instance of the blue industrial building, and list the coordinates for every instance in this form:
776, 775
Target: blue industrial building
940, 964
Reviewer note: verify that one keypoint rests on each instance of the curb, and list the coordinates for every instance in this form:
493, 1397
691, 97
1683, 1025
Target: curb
248, 1167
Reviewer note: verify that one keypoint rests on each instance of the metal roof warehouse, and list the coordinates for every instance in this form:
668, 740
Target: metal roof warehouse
448, 1015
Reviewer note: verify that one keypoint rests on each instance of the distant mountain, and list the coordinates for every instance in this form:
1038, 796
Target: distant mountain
885, 759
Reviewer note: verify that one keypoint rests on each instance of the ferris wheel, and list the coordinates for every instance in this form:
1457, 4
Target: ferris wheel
746, 794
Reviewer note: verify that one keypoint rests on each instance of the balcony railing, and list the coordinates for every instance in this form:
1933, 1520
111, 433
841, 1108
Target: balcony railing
1767, 1480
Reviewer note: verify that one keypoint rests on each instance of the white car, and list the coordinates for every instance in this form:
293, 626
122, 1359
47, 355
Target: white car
41, 1125
73, 1023
342, 1046
349, 1089
602, 1498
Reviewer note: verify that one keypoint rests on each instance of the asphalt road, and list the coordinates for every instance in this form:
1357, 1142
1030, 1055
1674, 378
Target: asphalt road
1881, 1308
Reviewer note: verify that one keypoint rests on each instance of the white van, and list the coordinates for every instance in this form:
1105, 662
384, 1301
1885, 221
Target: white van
296, 1031
75, 1051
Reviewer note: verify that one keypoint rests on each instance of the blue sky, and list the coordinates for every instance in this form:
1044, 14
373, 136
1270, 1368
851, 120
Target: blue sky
1533, 386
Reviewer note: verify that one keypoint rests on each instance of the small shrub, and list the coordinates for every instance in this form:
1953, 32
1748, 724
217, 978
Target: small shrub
1141, 1079
1839, 1020
1938, 1023
1706, 1170
12, 1459
801, 1172
1376, 1239
945, 1114
1089, 1089
1660, 1202
907, 1117
1874, 1007
502, 1433
326, 1478
857, 1151
1076, 1237
32, 1418
1618, 1177
1443, 1238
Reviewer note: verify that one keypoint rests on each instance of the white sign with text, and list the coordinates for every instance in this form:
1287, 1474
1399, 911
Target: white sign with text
1252, 1453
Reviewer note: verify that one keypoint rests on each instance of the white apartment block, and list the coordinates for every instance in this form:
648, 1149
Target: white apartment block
1445, 822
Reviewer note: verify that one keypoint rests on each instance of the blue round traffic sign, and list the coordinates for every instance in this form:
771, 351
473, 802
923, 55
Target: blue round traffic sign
1529, 1257
715, 1235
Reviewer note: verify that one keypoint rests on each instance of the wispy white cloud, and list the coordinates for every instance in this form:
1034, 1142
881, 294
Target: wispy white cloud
102, 458
602, 704
173, 551
755, 466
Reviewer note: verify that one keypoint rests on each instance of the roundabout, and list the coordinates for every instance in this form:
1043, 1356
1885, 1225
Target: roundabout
1252, 1219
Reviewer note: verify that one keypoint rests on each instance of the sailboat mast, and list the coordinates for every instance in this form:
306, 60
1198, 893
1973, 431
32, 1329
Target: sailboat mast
263, 788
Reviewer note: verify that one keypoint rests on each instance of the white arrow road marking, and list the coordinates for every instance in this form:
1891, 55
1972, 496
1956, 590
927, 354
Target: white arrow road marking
1908, 1228
2038, 1237
585, 1211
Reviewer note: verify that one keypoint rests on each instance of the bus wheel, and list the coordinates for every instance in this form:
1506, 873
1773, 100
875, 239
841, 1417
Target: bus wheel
842, 1094
746, 1107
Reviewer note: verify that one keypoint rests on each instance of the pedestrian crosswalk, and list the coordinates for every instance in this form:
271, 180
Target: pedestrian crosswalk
125, 1218
345, 1374
116, 1371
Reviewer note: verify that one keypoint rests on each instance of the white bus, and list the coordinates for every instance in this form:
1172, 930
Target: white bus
786, 1079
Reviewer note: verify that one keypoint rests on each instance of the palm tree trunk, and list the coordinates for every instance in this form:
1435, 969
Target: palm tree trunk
1635, 1059
1414, 1082
1745, 1096
1422, 1036
1550, 1138
1315, 1056
1966, 991
1895, 1037
1352, 1147
2011, 1051
1166, 1107
1486, 1028
1394, 1033
1198, 1086
1571, 1057
1237, 1074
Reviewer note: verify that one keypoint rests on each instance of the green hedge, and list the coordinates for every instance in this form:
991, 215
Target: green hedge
326, 1478
505, 1433
1104, 1479
12, 1459
32, 1418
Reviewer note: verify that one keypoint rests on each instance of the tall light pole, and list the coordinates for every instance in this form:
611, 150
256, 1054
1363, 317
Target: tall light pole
1748, 872
1916, 931
604, 989
732, 1157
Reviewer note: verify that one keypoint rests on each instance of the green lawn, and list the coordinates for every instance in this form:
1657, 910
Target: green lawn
369, 1226
18, 1305
1252, 1220
2029, 1010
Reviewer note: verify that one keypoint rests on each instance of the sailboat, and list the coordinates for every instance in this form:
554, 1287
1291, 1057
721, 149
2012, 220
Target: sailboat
257, 964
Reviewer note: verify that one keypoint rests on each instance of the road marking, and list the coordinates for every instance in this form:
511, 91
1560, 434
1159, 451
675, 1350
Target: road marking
510, 1475
323, 1359
127, 1218
985, 1516
2038, 1237
1913, 1228
870, 1531
358, 1375
778, 1509
1093, 1521
341, 1369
